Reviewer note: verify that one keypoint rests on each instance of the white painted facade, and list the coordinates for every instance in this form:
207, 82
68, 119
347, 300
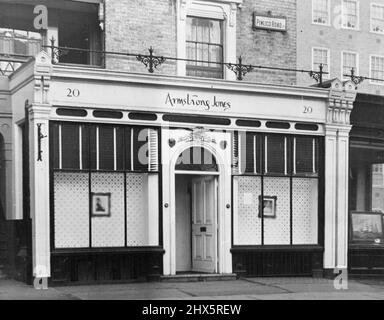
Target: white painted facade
42, 88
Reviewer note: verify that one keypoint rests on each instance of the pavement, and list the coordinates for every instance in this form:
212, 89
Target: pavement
244, 289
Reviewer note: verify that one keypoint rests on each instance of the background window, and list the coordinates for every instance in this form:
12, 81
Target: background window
321, 56
349, 62
366, 176
377, 68
377, 18
320, 11
19, 42
350, 14
204, 43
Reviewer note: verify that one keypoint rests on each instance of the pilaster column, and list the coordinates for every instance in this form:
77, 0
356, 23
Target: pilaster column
330, 198
338, 126
39, 188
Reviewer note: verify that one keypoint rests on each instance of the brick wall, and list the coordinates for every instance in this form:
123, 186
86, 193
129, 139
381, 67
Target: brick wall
268, 48
135, 25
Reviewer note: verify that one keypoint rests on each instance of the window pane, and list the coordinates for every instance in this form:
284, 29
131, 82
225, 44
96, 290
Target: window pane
305, 211
320, 11
70, 146
377, 18
106, 149
20, 47
71, 209
349, 62
277, 229
306, 155
85, 146
275, 149
377, 179
350, 18
119, 148
127, 138
247, 223
108, 231
252, 152
140, 149
366, 177
196, 159
92, 148
377, 68
215, 32
320, 56
142, 209
204, 44
20, 42
55, 138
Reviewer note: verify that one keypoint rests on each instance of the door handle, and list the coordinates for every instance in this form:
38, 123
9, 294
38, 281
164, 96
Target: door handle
203, 229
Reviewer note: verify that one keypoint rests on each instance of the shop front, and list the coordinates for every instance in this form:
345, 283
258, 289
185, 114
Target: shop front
140, 177
366, 240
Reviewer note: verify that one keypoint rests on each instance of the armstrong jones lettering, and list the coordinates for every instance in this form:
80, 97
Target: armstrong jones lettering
194, 100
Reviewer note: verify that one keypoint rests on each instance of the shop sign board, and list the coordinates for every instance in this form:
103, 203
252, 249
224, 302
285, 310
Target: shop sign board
173, 99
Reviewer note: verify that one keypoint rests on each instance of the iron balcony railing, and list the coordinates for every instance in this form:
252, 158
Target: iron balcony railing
240, 68
9, 63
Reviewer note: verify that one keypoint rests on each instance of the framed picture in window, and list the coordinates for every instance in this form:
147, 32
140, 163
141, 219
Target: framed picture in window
367, 227
267, 205
101, 204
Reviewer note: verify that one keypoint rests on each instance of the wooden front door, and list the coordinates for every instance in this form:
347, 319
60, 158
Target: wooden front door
204, 224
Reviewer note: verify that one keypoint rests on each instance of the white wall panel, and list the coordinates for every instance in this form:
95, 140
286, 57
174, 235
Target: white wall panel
277, 230
109, 231
247, 224
71, 196
305, 211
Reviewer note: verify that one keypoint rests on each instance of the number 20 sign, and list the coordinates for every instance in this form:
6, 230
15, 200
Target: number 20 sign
73, 93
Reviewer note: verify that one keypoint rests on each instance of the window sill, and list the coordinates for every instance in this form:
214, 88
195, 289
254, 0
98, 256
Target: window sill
381, 33
94, 66
321, 24
350, 29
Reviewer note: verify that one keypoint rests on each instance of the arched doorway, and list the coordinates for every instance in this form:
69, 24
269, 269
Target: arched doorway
206, 164
196, 215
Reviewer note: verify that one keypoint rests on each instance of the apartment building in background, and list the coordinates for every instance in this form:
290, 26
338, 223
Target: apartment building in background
341, 35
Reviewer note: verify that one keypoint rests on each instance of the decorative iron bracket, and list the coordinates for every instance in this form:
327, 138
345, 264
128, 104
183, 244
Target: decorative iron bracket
355, 79
239, 69
318, 75
150, 61
57, 52
40, 137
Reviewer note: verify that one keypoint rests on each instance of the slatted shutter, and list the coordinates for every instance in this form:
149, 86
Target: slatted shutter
153, 150
235, 153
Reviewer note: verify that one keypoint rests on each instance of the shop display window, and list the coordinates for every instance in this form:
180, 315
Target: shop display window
276, 190
103, 196
366, 200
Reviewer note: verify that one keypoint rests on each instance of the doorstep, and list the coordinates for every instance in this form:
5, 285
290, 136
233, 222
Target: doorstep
196, 277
